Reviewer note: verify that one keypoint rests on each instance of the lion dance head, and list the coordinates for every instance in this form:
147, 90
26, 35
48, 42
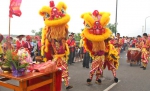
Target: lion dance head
95, 29
55, 20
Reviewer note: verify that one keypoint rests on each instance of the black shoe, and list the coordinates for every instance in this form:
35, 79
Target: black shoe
69, 87
73, 62
98, 81
87, 67
88, 81
142, 67
116, 79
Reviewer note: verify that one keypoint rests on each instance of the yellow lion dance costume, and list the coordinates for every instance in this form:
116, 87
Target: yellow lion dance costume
54, 36
94, 34
111, 58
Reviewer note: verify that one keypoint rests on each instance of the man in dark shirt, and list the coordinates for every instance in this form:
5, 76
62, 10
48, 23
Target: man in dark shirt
74, 46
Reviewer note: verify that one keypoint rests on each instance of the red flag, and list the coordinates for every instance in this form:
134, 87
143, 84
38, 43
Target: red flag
14, 8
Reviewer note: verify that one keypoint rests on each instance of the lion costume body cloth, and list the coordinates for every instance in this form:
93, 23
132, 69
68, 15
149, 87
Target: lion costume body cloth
54, 36
94, 34
111, 58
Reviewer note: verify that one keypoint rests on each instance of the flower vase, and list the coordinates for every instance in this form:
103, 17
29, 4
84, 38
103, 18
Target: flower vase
18, 72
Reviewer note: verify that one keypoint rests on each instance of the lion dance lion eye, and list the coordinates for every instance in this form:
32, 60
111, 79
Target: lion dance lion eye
63, 11
87, 25
47, 15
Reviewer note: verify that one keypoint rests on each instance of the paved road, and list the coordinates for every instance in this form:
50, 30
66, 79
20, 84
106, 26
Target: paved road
132, 78
79, 76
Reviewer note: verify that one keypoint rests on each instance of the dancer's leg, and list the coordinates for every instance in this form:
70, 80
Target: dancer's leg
91, 74
98, 74
114, 72
65, 75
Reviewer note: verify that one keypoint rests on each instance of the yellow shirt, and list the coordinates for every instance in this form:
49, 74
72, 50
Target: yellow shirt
81, 43
1, 50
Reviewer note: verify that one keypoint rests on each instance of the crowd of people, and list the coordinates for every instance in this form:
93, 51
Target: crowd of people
77, 52
33, 44
34, 48
121, 44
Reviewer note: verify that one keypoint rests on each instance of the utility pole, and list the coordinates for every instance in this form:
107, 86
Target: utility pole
145, 22
142, 30
116, 17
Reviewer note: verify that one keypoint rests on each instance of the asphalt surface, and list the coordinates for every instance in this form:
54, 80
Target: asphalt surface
79, 75
132, 78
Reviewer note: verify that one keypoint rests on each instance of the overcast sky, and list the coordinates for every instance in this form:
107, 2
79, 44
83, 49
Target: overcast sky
131, 15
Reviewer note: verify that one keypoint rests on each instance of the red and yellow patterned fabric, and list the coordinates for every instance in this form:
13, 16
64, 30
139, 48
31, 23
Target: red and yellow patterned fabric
54, 34
118, 44
94, 34
145, 52
111, 58
144, 57
139, 43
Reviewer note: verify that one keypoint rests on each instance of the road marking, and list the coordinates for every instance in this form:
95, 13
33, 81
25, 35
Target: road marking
111, 86
68, 78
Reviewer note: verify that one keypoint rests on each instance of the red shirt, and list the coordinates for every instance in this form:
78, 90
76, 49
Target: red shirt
71, 44
123, 41
112, 41
28, 46
19, 44
84, 50
134, 41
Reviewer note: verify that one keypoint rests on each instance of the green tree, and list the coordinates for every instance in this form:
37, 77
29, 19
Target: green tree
39, 33
112, 27
33, 31
77, 37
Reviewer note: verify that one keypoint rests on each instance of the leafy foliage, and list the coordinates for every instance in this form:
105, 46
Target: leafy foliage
39, 33
12, 59
77, 37
112, 27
